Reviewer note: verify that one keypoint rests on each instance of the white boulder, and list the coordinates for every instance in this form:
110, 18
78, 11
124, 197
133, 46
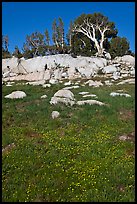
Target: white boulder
119, 94
108, 83
46, 85
129, 59
116, 75
109, 69
16, 94
98, 61
86, 71
55, 114
9, 85
90, 102
71, 87
63, 96
44, 96
83, 92
67, 83
94, 83
90, 95
53, 81
64, 75
55, 100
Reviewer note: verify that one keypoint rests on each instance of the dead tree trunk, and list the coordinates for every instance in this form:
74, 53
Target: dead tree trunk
89, 29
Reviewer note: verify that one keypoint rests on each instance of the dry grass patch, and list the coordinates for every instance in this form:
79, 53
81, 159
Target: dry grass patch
33, 134
126, 114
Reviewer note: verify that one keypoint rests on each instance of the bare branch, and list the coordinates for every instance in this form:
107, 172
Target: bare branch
83, 42
89, 29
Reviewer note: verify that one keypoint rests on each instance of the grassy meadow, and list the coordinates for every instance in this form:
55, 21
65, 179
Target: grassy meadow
76, 157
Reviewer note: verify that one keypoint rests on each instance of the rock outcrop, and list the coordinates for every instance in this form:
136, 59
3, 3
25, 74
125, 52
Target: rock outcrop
54, 68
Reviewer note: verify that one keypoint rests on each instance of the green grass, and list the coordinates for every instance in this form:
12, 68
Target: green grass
76, 157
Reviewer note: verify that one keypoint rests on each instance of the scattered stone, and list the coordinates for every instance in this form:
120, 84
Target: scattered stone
116, 75
124, 72
119, 94
130, 136
44, 96
16, 94
90, 95
82, 93
117, 65
90, 102
71, 87
64, 75
63, 96
46, 85
94, 83
120, 90
130, 81
55, 114
67, 83
124, 75
123, 137
41, 82
8, 147
53, 81
76, 83
108, 83
8, 85
11, 82
55, 100
60, 81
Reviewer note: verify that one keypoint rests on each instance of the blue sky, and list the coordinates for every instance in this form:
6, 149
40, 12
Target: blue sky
22, 18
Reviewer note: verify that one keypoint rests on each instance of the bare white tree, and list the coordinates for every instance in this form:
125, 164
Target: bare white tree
35, 40
90, 30
34, 44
